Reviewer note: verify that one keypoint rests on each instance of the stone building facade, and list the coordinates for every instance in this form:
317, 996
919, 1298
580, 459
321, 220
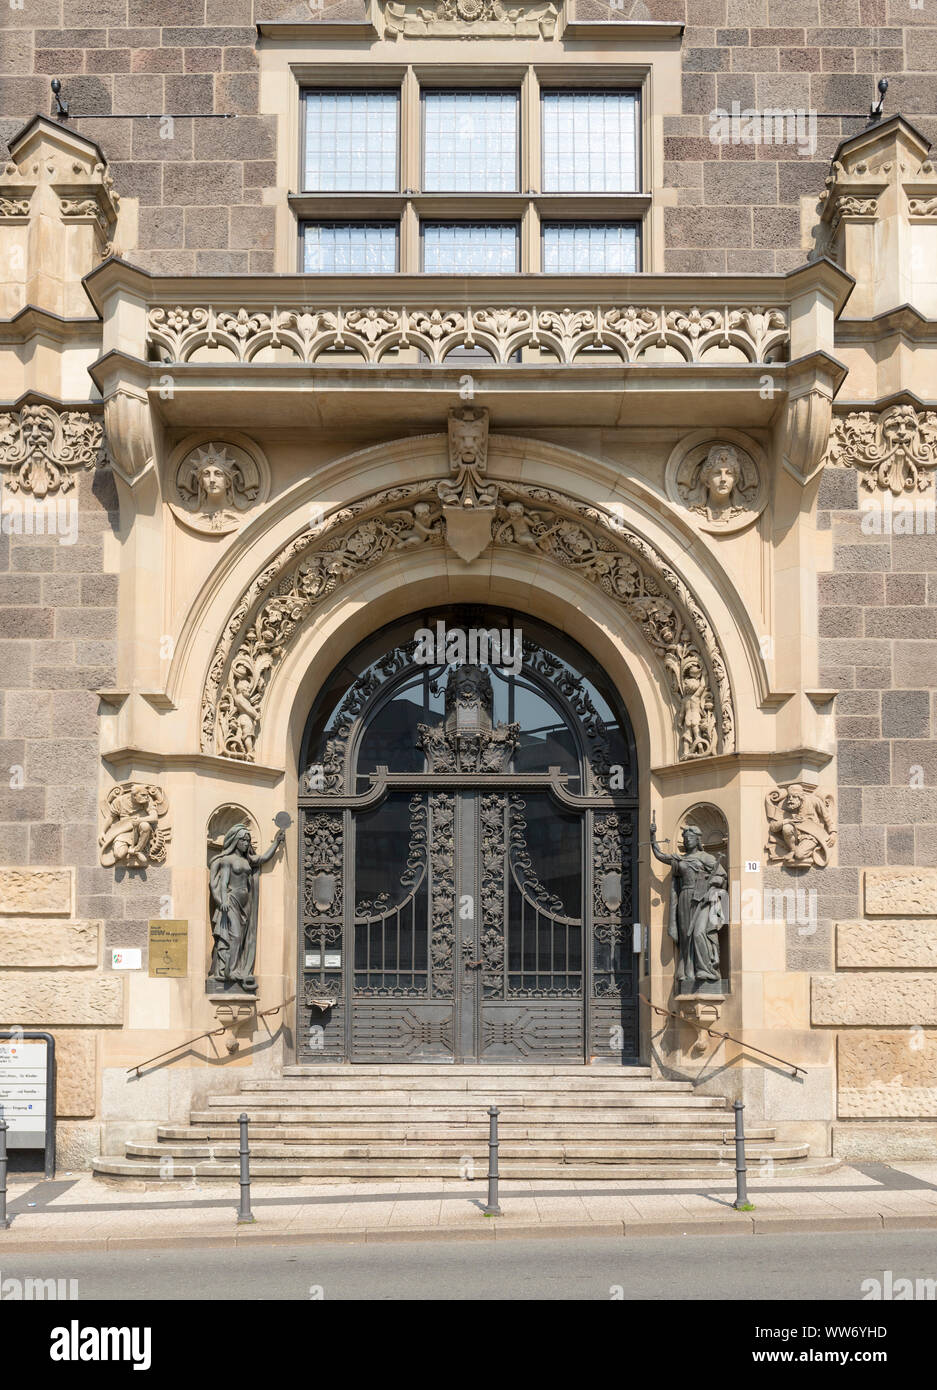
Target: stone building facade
163, 654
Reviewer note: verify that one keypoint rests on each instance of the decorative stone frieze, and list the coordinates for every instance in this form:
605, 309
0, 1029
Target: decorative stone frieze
717, 478
800, 826
586, 539
760, 333
218, 483
852, 191
42, 448
469, 19
910, 892
132, 835
893, 451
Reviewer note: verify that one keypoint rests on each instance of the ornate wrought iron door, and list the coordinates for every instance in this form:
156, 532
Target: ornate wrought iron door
467, 879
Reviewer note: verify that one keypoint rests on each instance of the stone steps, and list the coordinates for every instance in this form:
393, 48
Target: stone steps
453, 1151
253, 1102
293, 1170
322, 1121
468, 1131
425, 1070
584, 1084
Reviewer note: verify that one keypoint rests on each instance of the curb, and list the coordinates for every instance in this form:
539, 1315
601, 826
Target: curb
745, 1224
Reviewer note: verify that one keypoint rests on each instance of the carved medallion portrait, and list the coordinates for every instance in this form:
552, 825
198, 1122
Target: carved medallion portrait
215, 484
720, 478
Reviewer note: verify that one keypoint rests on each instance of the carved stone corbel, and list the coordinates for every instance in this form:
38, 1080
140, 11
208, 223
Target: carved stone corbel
237, 1019
468, 501
807, 429
700, 1012
129, 423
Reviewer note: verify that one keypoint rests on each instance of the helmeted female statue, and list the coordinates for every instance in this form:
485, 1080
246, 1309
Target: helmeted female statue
699, 906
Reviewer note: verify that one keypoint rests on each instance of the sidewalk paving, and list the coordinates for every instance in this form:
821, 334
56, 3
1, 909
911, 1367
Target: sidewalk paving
77, 1212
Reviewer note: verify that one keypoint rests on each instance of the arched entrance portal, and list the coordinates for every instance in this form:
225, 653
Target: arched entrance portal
468, 866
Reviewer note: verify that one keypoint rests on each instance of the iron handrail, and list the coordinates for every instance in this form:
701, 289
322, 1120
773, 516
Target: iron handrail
712, 1033
211, 1033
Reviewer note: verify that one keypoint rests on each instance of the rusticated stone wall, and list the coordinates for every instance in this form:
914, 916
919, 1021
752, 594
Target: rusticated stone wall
60, 912
882, 1002
202, 192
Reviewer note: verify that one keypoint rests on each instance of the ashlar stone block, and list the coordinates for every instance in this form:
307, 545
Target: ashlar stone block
47, 892
873, 1000
32, 943
35, 999
887, 945
901, 892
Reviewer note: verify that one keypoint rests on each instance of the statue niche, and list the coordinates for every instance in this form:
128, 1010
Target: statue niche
699, 909
234, 885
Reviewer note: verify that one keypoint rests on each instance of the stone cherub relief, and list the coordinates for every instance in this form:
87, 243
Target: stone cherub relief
132, 836
699, 908
217, 484
718, 481
800, 826
235, 893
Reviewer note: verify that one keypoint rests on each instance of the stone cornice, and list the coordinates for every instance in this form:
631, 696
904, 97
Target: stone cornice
813, 758
114, 274
904, 319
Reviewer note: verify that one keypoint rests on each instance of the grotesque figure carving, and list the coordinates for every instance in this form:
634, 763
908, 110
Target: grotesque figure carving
41, 448
132, 836
800, 826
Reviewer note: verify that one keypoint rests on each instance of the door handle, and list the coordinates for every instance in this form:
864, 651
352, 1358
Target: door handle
474, 964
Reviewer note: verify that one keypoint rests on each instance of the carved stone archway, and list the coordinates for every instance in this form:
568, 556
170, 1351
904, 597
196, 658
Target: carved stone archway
585, 538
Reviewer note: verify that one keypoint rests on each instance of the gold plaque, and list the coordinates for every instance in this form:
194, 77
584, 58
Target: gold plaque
169, 949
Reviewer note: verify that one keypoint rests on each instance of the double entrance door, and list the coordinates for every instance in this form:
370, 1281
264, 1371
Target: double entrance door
468, 867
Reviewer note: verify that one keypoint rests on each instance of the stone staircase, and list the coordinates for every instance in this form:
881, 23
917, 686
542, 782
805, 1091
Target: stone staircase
430, 1121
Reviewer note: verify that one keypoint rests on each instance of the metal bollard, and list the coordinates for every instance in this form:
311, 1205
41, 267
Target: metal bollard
5, 1221
491, 1207
245, 1214
741, 1202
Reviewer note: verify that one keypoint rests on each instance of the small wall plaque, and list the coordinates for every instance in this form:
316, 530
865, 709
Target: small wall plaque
169, 949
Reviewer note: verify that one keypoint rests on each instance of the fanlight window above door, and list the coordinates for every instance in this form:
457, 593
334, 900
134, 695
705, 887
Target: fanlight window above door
371, 713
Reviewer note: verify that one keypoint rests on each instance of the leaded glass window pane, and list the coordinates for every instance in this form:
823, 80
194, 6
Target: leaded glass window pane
470, 248
470, 142
351, 142
589, 142
604, 248
349, 248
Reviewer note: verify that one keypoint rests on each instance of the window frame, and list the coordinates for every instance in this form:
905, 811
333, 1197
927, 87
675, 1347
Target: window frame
356, 90
515, 223
431, 88
581, 89
596, 221
349, 222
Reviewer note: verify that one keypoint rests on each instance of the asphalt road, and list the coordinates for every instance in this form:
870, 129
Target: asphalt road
801, 1266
